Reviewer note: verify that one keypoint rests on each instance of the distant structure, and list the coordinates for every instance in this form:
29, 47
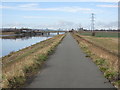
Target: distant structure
72, 30
81, 29
92, 22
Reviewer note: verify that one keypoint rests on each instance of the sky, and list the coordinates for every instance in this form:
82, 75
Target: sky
55, 15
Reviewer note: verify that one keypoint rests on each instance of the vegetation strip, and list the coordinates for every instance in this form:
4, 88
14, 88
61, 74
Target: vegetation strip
114, 34
107, 62
98, 46
20, 65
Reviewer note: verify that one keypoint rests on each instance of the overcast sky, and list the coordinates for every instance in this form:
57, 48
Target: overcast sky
54, 15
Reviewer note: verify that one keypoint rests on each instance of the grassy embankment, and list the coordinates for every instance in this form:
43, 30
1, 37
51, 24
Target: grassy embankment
20, 65
104, 53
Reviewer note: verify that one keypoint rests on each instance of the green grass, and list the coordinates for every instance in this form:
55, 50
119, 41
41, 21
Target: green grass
111, 75
100, 61
87, 33
42, 57
101, 34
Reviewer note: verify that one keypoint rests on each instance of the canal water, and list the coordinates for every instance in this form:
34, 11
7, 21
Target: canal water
13, 44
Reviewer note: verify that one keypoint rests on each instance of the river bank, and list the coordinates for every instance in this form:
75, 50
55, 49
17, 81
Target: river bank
19, 65
10, 45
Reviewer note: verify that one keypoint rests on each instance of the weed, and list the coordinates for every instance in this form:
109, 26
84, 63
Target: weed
84, 47
89, 54
103, 69
27, 69
42, 57
50, 51
110, 74
100, 61
117, 83
16, 81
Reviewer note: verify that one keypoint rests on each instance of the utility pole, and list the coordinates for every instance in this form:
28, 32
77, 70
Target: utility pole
93, 24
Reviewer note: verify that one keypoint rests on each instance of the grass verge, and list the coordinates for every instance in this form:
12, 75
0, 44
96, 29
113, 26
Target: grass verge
106, 61
20, 65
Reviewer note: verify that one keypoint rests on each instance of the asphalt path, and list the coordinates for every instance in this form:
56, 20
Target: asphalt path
69, 68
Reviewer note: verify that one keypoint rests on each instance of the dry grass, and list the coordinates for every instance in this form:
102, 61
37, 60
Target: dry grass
110, 44
106, 61
19, 65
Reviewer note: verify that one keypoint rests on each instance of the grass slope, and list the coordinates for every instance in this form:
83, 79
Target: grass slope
20, 65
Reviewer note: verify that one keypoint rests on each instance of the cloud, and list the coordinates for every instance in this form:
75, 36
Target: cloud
37, 17
63, 25
62, 9
56, 25
28, 17
29, 5
35, 7
113, 24
59, 24
108, 6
